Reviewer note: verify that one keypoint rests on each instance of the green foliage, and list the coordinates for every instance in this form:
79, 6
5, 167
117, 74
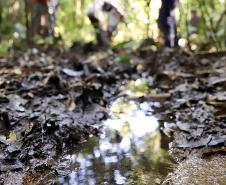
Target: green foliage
3, 47
138, 87
73, 22
139, 22
212, 30
123, 59
131, 44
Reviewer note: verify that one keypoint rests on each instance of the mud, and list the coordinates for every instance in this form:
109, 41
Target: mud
53, 105
200, 171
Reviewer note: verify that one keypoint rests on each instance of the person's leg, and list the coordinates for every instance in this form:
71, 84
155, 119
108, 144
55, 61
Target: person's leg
100, 34
167, 22
45, 26
52, 20
171, 34
35, 18
39, 10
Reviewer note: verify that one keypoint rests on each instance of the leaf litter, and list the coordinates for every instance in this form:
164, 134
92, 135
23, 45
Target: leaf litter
197, 87
51, 99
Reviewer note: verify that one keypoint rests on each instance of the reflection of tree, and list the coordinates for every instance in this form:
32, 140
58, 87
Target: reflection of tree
150, 156
137, 88
164, 140
147, 159
137, 177
144, 160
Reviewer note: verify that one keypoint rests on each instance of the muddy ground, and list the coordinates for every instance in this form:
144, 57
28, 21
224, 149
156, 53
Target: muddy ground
51, 100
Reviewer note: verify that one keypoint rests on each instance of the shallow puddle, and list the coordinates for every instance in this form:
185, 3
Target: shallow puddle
131, 149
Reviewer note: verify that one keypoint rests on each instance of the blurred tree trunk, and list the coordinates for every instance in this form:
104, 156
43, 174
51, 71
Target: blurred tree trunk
1, 12
26, 7
0, 17
225, 24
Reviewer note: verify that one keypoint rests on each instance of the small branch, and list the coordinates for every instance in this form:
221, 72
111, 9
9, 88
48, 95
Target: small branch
220, 20
156, 98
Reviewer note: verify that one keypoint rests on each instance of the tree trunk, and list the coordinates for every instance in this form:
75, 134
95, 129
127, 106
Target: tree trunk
26, 6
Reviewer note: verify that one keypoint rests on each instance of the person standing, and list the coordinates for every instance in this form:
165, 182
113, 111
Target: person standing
39, 10
96, 17
194, 22
167, 22
53, 7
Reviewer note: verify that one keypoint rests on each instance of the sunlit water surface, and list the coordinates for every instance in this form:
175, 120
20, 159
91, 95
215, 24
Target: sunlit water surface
129, 151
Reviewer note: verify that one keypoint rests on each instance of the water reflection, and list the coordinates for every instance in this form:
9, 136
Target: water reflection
128, 152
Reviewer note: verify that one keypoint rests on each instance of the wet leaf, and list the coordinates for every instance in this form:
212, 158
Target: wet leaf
12, 136
175, 74
216, 80
221, 96
18, 71
202, 142
9, 165
72, 73
4, 100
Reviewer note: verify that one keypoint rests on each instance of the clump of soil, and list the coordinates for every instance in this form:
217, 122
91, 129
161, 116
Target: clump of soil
196, 170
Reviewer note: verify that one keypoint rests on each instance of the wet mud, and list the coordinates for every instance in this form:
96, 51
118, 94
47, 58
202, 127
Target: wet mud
108, 117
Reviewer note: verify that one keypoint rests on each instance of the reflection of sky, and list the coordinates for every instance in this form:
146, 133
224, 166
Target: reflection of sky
139, 122
126, 129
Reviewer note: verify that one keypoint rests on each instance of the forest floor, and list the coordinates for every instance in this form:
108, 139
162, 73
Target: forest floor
53, 100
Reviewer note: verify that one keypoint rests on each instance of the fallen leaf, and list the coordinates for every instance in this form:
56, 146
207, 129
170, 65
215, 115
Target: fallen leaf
72, 73
70, 104
12, 136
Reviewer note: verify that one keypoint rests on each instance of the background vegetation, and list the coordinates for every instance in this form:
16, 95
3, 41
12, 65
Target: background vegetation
140, 17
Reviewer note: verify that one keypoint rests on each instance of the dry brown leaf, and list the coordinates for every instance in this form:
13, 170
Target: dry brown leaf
70, 104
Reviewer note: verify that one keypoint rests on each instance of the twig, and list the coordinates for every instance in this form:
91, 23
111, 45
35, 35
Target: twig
158, 97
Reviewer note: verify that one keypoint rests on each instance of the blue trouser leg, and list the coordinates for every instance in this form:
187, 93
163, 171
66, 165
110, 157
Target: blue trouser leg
167, 22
